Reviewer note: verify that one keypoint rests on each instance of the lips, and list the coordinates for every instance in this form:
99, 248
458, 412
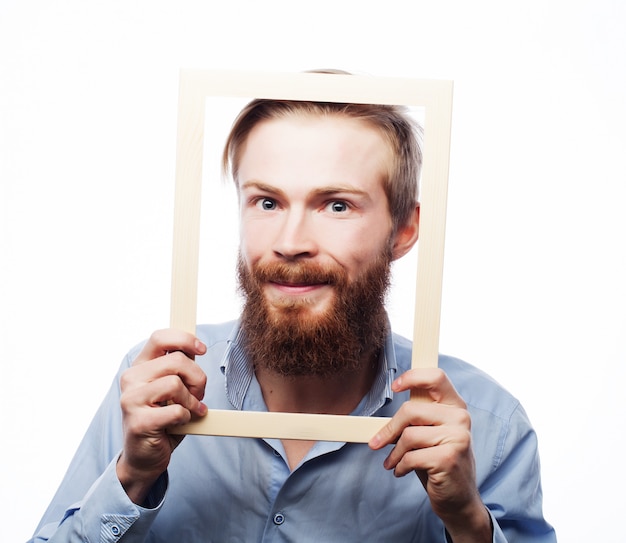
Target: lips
297, 287
303, 284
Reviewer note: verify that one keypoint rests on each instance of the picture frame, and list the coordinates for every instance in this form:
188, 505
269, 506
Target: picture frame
435, 96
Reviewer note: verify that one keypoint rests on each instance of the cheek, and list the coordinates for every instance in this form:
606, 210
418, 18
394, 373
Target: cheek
256, 234
248, 246
358, 258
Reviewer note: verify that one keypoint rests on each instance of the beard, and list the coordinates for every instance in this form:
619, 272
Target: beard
293, 339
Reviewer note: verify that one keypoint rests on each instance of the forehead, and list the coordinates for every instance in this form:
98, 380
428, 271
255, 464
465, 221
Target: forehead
332, 146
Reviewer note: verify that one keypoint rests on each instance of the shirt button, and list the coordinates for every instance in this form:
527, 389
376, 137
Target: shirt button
115, 530
279, 518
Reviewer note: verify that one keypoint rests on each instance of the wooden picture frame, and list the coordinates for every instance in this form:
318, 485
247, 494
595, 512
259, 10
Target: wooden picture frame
436, 99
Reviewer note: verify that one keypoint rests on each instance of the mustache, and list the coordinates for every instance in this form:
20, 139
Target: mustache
299, 273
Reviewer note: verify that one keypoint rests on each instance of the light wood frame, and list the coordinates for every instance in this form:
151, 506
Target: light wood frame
436, 98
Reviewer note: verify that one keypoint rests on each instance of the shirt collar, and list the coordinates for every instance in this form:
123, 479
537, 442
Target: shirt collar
239, 375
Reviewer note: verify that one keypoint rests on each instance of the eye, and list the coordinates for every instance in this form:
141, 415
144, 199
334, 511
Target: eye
338, 206
267, 204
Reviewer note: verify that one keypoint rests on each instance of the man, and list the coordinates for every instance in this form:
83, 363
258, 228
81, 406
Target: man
328, 199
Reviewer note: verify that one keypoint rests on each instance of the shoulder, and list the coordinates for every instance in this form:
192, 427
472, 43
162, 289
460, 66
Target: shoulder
214, 335
217, 338
477, 388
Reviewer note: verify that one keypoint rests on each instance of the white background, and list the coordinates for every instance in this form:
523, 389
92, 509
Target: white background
535, 258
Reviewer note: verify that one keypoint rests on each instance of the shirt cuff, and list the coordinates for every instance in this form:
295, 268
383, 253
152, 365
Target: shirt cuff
498, 535
107, 513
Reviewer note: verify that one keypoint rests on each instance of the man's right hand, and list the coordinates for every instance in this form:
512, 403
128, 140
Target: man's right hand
164, 387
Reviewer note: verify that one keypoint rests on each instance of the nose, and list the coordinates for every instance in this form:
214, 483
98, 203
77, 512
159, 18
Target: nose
296, 236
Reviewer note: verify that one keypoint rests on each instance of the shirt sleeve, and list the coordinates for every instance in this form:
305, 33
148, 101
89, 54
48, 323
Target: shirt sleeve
106, 514
512, 493
90, 504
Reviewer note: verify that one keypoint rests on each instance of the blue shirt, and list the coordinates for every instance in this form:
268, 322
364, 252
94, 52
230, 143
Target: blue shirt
220, 489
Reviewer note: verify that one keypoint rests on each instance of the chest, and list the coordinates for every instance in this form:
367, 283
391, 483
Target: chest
225, 489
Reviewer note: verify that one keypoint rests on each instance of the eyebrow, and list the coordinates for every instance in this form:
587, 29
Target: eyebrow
321, 191
263, 187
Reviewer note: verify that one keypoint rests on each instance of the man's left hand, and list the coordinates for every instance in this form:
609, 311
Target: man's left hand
433, 439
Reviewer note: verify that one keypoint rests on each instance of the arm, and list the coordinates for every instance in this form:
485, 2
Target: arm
433, 440
92, 502
163, 388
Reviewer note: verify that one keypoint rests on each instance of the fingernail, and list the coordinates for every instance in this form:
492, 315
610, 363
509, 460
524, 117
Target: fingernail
375, 441
200, 347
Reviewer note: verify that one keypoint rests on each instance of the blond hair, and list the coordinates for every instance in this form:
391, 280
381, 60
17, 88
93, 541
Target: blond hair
393, 122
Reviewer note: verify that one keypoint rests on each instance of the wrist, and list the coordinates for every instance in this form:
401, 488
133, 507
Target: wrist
136, 483
472, 526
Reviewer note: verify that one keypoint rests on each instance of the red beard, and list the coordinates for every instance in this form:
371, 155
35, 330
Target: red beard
292, 340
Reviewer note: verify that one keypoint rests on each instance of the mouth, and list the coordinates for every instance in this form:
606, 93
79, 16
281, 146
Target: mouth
304, 283
288, 287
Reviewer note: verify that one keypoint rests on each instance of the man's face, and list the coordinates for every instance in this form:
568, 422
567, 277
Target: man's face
315, 244
311, 193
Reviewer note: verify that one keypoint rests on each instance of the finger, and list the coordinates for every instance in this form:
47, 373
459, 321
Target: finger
168, 390
418, 414
413, 438
165, 341
174, 364
438, 447
433, 381
158, 419
448, 460
411, 414
423, 461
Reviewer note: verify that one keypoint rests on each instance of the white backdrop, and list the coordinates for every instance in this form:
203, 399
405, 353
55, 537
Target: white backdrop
535, 258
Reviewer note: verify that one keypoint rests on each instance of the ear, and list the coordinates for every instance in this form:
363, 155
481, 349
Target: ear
407, 235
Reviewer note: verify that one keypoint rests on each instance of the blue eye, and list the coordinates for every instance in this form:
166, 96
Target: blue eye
266, 204
338, 206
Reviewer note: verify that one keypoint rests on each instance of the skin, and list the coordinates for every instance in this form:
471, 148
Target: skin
164, 372
311, 188
433, 440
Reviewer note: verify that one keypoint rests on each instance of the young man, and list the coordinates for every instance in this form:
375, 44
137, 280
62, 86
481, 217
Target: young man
328, 199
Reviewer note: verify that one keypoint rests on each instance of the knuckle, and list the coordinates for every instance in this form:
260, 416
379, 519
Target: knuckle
128, 379
403, 444
172, 383
407, 409
133, 425
466, 440
178, 357
448, 455
410, 435
439, 377
201, 387
180, 414
156, 337
411, 413
203, 380
125, 406
465, 419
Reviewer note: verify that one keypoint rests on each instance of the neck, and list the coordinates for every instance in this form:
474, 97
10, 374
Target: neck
336, 395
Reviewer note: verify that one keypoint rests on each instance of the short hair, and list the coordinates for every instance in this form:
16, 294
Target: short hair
401, 131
